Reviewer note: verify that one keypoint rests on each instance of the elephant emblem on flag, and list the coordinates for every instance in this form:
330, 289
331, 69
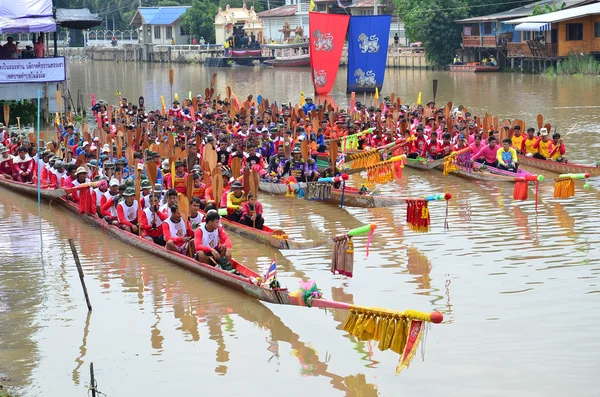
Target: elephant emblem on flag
323, 42
365, 79
320, 77
368, 44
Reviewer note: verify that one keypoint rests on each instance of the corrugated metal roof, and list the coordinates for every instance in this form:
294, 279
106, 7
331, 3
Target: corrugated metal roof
365, 4
283, 11
523, 11
563, 15
161, 15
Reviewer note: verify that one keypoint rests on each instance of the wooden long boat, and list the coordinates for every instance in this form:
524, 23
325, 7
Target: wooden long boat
297, 61
351, 196
423, 164
268, 236
474, 68
560, 168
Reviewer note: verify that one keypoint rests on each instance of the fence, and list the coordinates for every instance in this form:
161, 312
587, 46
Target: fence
104, 37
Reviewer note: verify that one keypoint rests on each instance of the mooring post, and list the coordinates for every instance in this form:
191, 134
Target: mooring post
92, 380
80, 270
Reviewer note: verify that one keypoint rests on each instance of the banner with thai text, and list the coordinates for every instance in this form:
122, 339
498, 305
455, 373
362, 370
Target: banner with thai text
367, 52
327, 37
37, 70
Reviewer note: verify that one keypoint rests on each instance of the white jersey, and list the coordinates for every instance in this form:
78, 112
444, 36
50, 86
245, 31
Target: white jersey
130, 212
178, 229
98, 196
113, 208
146, 200
151, 216
209, 239
196, 220
59, 177
165, 209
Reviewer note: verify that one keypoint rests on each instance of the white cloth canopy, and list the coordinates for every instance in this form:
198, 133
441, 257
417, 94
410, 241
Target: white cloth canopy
27, 25
533, 27
25, 8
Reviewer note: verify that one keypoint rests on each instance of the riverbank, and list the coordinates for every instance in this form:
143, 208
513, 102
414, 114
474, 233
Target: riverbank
585, 65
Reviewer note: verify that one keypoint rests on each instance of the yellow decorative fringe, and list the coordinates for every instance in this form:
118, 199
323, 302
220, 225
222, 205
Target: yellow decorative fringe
360, 160
449, 165
564, 187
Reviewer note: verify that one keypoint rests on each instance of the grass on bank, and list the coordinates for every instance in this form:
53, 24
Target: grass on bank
576, 64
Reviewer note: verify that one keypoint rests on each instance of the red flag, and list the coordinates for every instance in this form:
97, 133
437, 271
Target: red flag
327, 36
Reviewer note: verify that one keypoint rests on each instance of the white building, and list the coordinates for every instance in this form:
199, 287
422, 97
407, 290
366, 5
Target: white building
157, 25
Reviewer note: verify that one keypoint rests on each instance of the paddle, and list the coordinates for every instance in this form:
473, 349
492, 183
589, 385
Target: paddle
59, 102
435, 85
210, 156
236, 166
184, 207
217, 185
129, 157
253, 182
138, 183
540, 121
171, 81
6, 115
189, 189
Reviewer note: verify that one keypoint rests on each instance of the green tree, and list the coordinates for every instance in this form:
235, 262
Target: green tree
432, 23
546, 8
200, 19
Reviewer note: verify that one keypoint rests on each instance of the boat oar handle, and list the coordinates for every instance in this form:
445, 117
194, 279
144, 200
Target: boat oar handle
438, 197
335, 179
575, 176
530, 178
365, 229
222, 211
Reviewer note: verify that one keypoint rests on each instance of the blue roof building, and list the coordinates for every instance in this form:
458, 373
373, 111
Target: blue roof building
158, 25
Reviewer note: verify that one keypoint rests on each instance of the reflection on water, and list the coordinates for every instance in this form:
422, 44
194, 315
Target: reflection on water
156, 329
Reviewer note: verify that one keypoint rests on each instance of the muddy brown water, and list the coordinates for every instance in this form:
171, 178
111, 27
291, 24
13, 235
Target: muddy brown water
519, 292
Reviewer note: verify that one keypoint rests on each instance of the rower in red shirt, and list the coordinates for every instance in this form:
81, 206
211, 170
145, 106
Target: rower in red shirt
211, 242
446, 148
175, 111
433, 150
23, 166
180, 178
6, 163
417, 148
152, 220
127, 211
108, 204
178, 233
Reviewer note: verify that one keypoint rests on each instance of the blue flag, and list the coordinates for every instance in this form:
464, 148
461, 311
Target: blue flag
367, 52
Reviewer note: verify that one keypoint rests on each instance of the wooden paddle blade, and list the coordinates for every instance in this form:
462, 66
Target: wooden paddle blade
129, 139
213, 80
254, 178
191, 160
80, 160
152, 172
6, 115
206, 173
305, 150
236, 167
333, 155
228, 91
129, 156
189, 188
184, 207
540, 121
246, 182
548, 127
217, 185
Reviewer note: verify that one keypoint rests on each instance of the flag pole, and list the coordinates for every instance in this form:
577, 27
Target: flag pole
39, 180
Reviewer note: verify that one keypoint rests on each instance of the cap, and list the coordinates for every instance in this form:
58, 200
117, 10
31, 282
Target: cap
93, 163
80, 170
145, 184
129, 192
58, 164
113, 182
165, 163
3, 148
543, 132
86, 143
236, 185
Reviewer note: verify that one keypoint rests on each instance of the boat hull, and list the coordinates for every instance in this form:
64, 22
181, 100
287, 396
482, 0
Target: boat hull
299, 62
222, 277
559, 168
474, 68
350, 199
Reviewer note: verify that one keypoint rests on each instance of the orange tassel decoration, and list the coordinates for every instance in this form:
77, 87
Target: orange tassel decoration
564, 187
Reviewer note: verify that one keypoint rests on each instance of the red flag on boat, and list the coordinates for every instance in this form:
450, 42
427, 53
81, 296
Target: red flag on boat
327, 36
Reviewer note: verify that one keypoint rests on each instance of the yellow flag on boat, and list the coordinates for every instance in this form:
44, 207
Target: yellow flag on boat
419, 99
376, 93
176, 97
302, 102
312, 6
164, 105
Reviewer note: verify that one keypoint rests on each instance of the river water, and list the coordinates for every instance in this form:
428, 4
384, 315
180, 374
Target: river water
519, 291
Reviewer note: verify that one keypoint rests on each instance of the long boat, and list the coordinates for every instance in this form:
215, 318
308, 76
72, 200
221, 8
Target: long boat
296, 61
352, 198
475, 67
268, 236
560, 168
307, 295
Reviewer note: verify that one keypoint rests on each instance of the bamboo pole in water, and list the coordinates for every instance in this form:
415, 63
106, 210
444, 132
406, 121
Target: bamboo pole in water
80, 270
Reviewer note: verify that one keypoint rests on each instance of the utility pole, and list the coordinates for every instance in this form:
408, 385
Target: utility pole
375, 7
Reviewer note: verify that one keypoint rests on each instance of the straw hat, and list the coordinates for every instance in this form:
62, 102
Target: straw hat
80, 170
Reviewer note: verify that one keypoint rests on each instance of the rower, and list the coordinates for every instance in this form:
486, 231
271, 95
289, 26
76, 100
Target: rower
97, 194
199, 189
488, 154
109, 203
252, 213
152, 220
507, 157
195, 214
277, 162
212, 244
23, 166
517, 139
172, 197
223, 152
178, 233
6, 163
70, 176
296, 167
432, 150
80, 178
308, 106
527, 144
180, 178
235, 199
127, 211
58, 172
419, 146
253, 160
542, 145
558, 150
145, 187
446, 148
